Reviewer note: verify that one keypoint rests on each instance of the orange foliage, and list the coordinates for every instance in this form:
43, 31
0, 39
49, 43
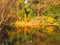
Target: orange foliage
25, 19
26, 30
50, 29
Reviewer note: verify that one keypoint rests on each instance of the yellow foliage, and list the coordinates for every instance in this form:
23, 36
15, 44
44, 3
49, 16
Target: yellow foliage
17, 24
50, 20
25, 18
41, 22
38, 21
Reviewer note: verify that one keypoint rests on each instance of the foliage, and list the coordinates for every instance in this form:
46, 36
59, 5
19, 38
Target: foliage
46, 24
